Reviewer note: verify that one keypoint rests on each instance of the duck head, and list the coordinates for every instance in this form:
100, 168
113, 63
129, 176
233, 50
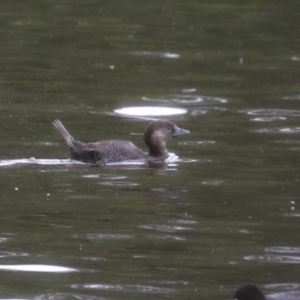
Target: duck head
157, 134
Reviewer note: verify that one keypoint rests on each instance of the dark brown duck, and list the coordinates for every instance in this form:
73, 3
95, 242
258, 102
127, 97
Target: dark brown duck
156, 136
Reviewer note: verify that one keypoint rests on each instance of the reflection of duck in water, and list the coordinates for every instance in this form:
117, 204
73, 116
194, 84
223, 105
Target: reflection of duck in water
156, 135
252, 292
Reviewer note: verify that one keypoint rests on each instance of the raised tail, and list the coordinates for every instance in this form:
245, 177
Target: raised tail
60, 128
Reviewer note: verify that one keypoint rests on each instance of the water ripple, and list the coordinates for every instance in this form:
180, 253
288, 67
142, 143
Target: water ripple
294, 215
278, 130
127, 288
286, 295
91, 258
181, 221
190, 160
283, 249
198, 112
111, 177
195, 143
119, 183
191, 90
203, 110
16, 298
284, 259
145, 256
171, 237
212, 182
192, 99
69, 296
268, 113
188, 99
292, 97
108, 236
12, 254
268, 119
157, 54
295, 58
165, 228
34, 161
288, 142
283, 286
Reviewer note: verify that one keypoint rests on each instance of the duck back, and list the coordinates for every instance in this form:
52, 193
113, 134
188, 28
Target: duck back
115, 151
99, 152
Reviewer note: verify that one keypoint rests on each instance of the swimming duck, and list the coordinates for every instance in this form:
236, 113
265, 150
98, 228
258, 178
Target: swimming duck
252, 292
156, 135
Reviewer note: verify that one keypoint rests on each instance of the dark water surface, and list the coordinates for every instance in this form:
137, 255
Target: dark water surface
224, 214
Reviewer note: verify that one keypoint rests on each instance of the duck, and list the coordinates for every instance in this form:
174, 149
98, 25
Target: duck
252, 292
156, 136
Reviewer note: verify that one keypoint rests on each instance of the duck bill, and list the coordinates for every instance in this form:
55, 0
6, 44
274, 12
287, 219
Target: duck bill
180, 131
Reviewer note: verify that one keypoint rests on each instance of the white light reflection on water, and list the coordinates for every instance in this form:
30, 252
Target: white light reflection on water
37, 268
143, 111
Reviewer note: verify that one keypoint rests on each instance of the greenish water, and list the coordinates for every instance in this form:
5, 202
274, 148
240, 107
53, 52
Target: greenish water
224, 214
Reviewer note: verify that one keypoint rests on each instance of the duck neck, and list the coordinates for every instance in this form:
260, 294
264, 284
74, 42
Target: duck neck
160, 154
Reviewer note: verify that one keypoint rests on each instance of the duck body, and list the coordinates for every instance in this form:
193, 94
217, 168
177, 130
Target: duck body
156, 135
106, 151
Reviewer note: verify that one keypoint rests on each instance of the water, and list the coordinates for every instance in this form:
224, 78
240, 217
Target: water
221, 213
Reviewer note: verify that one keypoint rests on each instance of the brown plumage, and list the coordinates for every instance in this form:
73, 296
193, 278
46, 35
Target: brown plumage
156, 135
